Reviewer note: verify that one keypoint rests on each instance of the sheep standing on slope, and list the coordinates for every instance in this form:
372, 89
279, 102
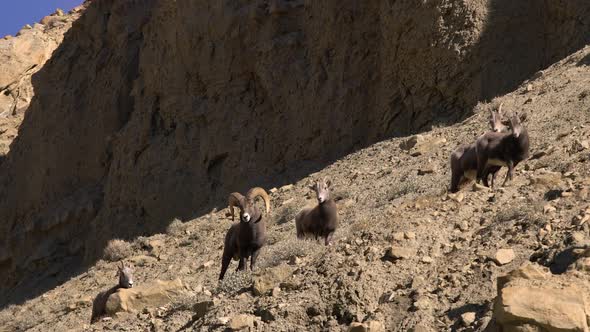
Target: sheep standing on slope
246, 238
464, 158
502, 149
322, 220
99, 304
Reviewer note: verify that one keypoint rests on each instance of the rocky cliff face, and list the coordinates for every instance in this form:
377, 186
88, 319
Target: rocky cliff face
21, 57
156, 109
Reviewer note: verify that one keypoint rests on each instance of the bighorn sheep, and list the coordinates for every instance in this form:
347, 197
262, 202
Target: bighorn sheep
245, 238
464, 167
99, 304
321, 220
496, 120
464, 158
502, 149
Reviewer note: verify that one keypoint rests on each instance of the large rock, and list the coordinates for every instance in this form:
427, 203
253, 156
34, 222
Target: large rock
241, 322
265, 281
153, 294
552, 309
531, 299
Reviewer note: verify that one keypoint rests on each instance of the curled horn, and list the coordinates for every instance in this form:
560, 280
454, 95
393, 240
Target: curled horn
257, 191
235, 199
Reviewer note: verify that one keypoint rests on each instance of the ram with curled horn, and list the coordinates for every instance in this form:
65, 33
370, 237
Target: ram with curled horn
247, 237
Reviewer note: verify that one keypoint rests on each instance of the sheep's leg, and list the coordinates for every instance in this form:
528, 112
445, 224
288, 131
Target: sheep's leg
242, 264
254, 258
224, 265
455, 180
481, 166
486, 176
328, 240
493, 179
510, 172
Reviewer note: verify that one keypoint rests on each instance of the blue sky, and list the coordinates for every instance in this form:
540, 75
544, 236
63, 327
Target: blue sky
16, 13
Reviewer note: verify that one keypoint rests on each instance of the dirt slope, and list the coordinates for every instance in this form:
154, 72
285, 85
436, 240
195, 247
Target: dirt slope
384, 201
155, 109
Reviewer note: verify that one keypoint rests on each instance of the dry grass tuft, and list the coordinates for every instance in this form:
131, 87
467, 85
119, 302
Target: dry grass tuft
116, 250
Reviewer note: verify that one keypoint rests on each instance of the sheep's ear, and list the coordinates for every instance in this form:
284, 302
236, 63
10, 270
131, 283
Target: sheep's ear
328, 183
523, 117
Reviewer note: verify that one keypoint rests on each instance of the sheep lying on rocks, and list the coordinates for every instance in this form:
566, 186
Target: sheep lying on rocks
246, 238
321, 220
99, 304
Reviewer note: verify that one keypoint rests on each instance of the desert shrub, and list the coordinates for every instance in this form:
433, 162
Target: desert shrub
116, 250
285, 250
235, 282
286, 214
176, 227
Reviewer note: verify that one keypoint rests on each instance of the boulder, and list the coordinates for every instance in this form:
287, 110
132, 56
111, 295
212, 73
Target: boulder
531, 299
268, 279
241, 322
552, 309
153, 294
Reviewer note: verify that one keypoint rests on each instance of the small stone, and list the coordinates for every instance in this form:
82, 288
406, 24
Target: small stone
207, 292
273, 190
294, 260
372, 326
504, 256
223, 320
479, 187
463, 225
426, 170
395, 253
427, 260
398, 236
468, 318
410, 235
286, 187
423, 303
529, 87
458, 197
578, 145
548, 208
241, 322
276, 291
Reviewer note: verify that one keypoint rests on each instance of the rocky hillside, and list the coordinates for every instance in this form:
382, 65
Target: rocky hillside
22, 56
407, 257
156, 109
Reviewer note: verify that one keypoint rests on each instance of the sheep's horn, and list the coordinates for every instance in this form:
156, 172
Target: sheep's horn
235, 199
257, 191
500, 108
